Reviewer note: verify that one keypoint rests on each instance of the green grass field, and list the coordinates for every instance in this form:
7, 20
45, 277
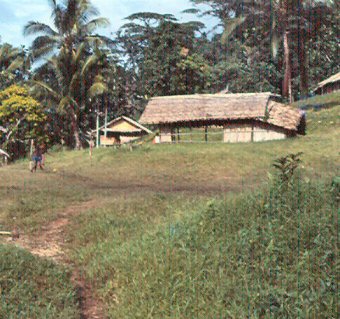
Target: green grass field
34, 288
182, 231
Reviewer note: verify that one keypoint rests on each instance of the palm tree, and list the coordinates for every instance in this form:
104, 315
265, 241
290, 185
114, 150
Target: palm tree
12, 60
75, 51
71, 92
73, 24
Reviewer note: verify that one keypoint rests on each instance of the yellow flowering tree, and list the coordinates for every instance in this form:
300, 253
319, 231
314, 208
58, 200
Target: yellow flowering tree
21, 116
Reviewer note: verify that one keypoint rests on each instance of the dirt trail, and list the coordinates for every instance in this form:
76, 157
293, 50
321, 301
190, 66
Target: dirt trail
49, 242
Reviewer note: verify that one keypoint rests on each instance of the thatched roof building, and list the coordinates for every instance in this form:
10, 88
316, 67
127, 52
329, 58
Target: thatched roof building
121, 130
329, 85
235, 112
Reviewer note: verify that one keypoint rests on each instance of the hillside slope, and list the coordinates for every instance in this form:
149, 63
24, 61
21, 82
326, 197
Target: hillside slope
152, 246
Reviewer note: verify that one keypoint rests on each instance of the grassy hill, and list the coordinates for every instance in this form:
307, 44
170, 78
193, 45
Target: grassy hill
190, 231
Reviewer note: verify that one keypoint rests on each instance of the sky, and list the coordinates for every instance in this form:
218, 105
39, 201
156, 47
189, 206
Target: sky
14, 14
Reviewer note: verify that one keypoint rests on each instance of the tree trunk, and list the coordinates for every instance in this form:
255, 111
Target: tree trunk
303, 59
287, 80
76, 132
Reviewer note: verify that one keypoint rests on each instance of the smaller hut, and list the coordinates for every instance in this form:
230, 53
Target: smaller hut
121, 130
329, 85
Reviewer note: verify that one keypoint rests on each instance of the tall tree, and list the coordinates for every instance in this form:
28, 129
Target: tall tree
155, 46
74, 48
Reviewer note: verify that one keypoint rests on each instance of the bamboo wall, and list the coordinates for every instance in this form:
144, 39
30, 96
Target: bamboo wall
108, 141
231, 133
165, 134
237, 133
267, 134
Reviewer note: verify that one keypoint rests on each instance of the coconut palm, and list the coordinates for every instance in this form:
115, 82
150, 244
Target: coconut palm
74, 23
71, 91
75, 56
13, 63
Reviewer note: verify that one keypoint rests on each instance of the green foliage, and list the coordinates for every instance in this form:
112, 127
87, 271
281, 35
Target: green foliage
287, 166
72, 75
21, 117
34, 288
16, 104
14, 64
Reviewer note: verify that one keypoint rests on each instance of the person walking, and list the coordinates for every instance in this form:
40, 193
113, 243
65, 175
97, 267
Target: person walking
37, 159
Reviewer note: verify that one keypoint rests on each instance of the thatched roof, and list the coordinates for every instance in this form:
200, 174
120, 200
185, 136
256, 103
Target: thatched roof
334, 78
137, 127
210, 107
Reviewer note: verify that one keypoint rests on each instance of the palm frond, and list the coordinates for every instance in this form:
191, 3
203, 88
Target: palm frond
47, 88
16, 64
98, 88
100, 40
90, 61
86, 11
44, 45
229, 27
79, 53
96, 23
34, 27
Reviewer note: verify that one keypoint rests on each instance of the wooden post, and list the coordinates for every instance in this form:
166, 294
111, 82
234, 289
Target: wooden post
97, 129
206, 134
105, 120
178, 137
31, 148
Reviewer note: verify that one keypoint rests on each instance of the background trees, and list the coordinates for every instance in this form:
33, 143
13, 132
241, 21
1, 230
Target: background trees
277, 37
282, 46
21, 118
14, 65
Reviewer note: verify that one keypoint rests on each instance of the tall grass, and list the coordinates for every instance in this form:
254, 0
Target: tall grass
34, 288
270, 254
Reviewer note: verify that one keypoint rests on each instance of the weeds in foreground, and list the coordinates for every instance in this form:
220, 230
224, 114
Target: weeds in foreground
269, 254
34, 288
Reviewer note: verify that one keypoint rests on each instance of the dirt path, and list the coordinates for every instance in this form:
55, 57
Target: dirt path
49, 242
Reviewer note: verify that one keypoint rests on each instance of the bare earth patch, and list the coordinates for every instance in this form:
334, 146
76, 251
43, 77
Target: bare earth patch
49, 242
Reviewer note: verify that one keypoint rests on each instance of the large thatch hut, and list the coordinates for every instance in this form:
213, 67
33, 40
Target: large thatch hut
329, 85
244, 117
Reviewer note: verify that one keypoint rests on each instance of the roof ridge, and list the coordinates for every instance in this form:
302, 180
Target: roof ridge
126, 118
212, 95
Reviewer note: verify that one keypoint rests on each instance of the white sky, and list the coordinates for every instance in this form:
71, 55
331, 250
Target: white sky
14, 14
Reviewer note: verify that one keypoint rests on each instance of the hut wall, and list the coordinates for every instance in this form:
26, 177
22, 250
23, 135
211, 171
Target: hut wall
105, 141
128, 139
165, 134
263, 133
237, 133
